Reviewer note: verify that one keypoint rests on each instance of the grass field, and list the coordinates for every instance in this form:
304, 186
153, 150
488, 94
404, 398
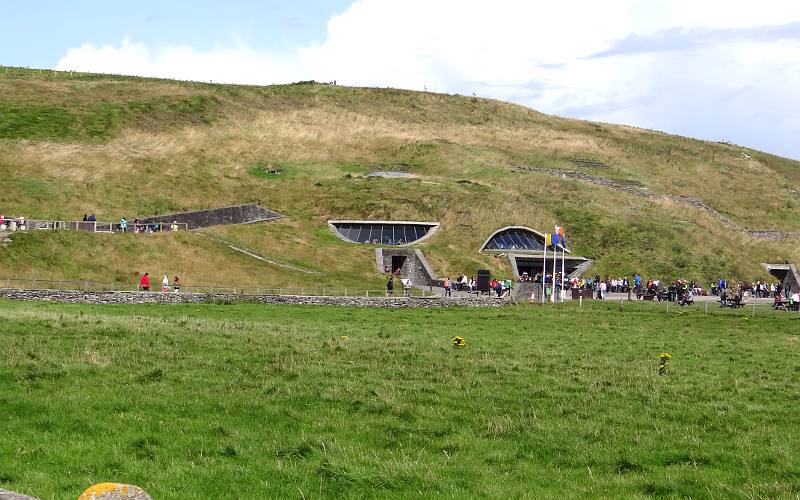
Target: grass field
247, 401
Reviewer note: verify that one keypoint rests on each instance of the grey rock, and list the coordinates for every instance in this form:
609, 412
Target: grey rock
114, 491
10, 495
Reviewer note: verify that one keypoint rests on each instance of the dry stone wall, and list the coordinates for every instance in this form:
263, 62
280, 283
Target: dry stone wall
80, 297
636, 189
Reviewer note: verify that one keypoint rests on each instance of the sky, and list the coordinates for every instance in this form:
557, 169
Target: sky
711, 69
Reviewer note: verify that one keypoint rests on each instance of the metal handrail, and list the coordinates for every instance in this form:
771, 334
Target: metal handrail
92, 286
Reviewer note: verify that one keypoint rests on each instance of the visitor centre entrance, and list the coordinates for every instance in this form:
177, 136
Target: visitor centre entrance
526, 252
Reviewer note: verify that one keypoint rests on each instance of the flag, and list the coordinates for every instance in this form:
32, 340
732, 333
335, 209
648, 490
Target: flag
548, 239
554, 240
560, 236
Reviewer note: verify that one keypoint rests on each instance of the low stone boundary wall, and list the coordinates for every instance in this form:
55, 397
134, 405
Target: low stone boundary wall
80, 297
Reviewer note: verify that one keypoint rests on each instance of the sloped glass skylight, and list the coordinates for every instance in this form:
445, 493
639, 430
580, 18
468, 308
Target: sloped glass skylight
383, 232
515, 238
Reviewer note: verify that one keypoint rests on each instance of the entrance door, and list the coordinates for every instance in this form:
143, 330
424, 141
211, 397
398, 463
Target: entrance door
534, 265
398, 261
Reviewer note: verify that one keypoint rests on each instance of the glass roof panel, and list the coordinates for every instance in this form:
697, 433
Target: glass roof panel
385, 234
515, 239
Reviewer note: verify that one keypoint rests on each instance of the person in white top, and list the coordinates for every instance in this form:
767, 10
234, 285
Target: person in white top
406, 286
602, 290
165, 284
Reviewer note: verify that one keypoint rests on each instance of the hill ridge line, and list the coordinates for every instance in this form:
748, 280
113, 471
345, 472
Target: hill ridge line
636, 189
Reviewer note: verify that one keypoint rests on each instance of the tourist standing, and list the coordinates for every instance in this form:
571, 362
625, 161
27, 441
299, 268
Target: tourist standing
176, 284
123, 225
145, 282
406, 286
390, 286
165, 284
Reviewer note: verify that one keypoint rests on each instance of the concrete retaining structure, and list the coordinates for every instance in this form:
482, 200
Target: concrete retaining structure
415, 266
236, 214
80, 297
786, 273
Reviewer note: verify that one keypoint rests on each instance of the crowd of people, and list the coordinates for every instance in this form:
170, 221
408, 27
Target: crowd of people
682, 291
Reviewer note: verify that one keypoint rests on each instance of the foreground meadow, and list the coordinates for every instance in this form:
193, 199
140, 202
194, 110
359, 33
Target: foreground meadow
247, 401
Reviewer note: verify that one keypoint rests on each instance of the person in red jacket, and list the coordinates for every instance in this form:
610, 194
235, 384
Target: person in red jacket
145, 282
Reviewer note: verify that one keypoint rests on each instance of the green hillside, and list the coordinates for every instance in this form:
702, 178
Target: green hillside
119, 146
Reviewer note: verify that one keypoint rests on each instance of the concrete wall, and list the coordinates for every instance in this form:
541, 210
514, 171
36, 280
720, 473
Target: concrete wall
786, 273
416, 265
237, 214
79, 297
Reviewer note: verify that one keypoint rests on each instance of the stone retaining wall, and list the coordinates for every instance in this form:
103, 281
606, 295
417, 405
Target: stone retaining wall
80, 297
237, 214
635, 188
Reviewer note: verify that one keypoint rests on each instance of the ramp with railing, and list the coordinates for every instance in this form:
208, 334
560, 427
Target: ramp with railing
15, 225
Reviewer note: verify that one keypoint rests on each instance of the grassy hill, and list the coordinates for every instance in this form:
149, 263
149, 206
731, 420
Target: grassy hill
119, 146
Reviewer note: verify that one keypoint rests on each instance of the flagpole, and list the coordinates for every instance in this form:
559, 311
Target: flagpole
544, 270
563, 250
555, 254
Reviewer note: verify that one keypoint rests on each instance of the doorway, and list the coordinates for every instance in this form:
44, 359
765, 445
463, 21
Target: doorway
398, 262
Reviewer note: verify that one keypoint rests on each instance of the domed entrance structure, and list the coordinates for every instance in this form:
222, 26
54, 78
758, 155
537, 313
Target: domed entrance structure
525, 248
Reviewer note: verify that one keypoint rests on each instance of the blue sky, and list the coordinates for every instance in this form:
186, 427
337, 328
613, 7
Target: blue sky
38, 33
713, 69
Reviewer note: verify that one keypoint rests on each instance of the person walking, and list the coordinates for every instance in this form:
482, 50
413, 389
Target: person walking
390, 286
448, 285
123, 225
406, 286
145, 282
176, 284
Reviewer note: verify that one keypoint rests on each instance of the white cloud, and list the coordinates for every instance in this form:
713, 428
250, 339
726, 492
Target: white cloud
238, 63
539, 54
